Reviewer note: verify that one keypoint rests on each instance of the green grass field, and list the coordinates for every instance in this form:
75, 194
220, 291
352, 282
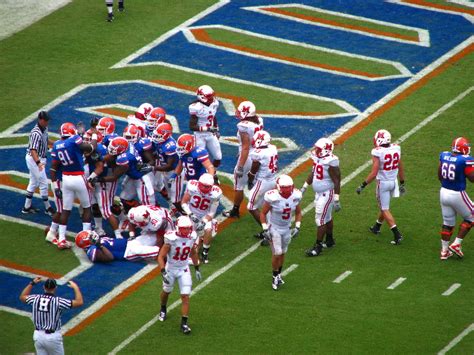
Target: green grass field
238, 312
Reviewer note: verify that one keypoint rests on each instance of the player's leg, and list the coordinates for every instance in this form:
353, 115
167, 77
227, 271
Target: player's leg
329, 242
239, 185
323, 203
385, 191
67, 189
465, 208
43, 187
105, 197
167, 289
110, 10
32, 185
276, 245
82, 192
185, 283
210, 231
378, 224
252, 205
52, 235
121, 5
145, 191
136, 251
214, 148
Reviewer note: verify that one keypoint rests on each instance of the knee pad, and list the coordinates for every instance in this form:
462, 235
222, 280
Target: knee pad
447, 231
466, 225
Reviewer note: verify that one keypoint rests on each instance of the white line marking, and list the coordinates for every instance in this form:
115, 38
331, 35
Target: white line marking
423, 35
175, 304
456, 340
397, 283
451, 289
16, 311
468, 3
342, 276
26, 274
428, 8
290, 269
403, 71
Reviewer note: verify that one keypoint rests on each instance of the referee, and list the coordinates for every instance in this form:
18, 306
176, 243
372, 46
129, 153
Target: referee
47, 309
36, 162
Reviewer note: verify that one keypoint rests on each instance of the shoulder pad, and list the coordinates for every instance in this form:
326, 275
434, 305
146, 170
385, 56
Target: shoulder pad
216, 192
271, 196
170, 237
297, 194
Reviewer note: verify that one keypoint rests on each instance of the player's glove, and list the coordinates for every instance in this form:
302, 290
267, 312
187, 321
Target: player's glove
304, 187
58, 193
403, 189
294, 232
94, 238
194, 218
164, 275
213, 129
145, 168
198, 273
361, 187
200, 226
250, 184
266, 235
337, 204
239, 172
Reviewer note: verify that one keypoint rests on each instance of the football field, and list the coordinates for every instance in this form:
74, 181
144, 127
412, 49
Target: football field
314, 69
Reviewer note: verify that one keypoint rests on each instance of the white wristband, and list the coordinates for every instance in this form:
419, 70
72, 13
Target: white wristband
94, 136
298, 224
186, 208
336, 197
305, 185
92, 176
264, 226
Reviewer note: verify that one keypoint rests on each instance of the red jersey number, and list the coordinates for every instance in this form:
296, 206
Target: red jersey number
182, 254
200, 203
318, 171
391, 161
273, 166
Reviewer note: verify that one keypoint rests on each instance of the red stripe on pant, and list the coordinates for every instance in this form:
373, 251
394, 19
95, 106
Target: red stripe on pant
105, 201
255, 193
326, 207
467, 200
142, 256
87, 188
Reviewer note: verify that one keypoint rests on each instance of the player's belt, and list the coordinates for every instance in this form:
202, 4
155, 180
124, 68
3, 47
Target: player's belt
47, 331
73, 173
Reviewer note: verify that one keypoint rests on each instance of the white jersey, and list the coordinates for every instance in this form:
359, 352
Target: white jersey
389, 158
203, 204
321, 179
141, 125
268, 159
159, 219
206, 114
282, 208
180, 249
249, 128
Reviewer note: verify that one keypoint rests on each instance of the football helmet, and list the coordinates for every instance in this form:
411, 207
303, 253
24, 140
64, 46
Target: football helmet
106, 125
87, 137
184, 226
245, 109
156, 116
285, 186
162, 133
139, 216
206, 182
131, 133
382, 137
117, 146
323, 147
461, 145
83, 239
68, 130
261, 139
205, 94
143, 111
185, 143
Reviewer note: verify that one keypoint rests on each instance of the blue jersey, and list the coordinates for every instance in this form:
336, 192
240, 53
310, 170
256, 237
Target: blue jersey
149, 131
133, 160
96, 156
192, 163
166, 151
116, 246
454, 168
68, 153
142, 145
108, 138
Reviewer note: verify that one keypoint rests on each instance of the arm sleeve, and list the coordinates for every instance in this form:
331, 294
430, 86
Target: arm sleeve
64, 303
30, 299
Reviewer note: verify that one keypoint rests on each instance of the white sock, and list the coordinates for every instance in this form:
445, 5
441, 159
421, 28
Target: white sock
458, 241
117, 233
444, 245
46, 202
86, 226
62, 232
29, 199
54, 227
98, 222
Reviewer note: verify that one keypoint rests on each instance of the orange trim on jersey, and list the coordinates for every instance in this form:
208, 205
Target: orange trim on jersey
32, 270
73, 173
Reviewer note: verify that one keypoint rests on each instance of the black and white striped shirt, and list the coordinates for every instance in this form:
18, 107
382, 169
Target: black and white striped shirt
39, 141
47, 310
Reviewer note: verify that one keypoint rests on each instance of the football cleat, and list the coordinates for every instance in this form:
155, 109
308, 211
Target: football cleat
121, 8
64, 244
374, 229
264, 243
231, 213
185, 329
162, 316
329, 243
456, 249
50, 211
275, 283
397, 240
259, 235
280, 280
205, 258
315, 251
29, 210
446, 254
110, 17
51, 237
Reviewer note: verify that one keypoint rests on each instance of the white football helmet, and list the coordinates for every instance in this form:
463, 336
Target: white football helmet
323, 147
382, 136
143, 111
206, 181
245, 109
184, 226
205, 94
285, 186
261, 139
139, 216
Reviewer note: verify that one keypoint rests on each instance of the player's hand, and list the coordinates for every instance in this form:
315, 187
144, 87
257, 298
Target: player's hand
194, 218
200, 226
337, 206
95, 238
239, 172
145, 168
361, 187
403, 189
58, 193
72, 284
294, 232
266, 235
213, 129
303, 190
198, 275
164, 275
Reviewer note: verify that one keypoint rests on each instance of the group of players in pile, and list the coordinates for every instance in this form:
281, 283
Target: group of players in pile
148, 160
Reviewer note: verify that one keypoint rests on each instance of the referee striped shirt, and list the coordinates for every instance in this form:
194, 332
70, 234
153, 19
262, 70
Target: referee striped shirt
47, 311
38, 141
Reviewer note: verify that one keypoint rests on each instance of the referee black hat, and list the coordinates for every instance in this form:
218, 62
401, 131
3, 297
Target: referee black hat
50, 284
43, 115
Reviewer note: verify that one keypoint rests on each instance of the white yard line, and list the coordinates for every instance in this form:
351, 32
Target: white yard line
456, 340
397, 283
16, 311
290, 269
451, 289
342, 277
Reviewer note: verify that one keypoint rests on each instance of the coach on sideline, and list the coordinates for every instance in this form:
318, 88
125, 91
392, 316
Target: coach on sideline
36, 162
47, 309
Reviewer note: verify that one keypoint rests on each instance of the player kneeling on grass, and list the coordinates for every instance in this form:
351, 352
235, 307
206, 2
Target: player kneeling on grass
325, 179
176, 250
280, 204
200, 202
105, 249
454, 168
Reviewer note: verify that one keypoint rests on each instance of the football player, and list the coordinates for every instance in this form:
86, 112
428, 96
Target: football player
156, 117
325, 178
454, 168
67, 154
278, 208
249, 124
262, 174
386, 167
140, 118
173, 263
200, 202
203, 122
153, 221
110, 8
103, 249
106, 127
